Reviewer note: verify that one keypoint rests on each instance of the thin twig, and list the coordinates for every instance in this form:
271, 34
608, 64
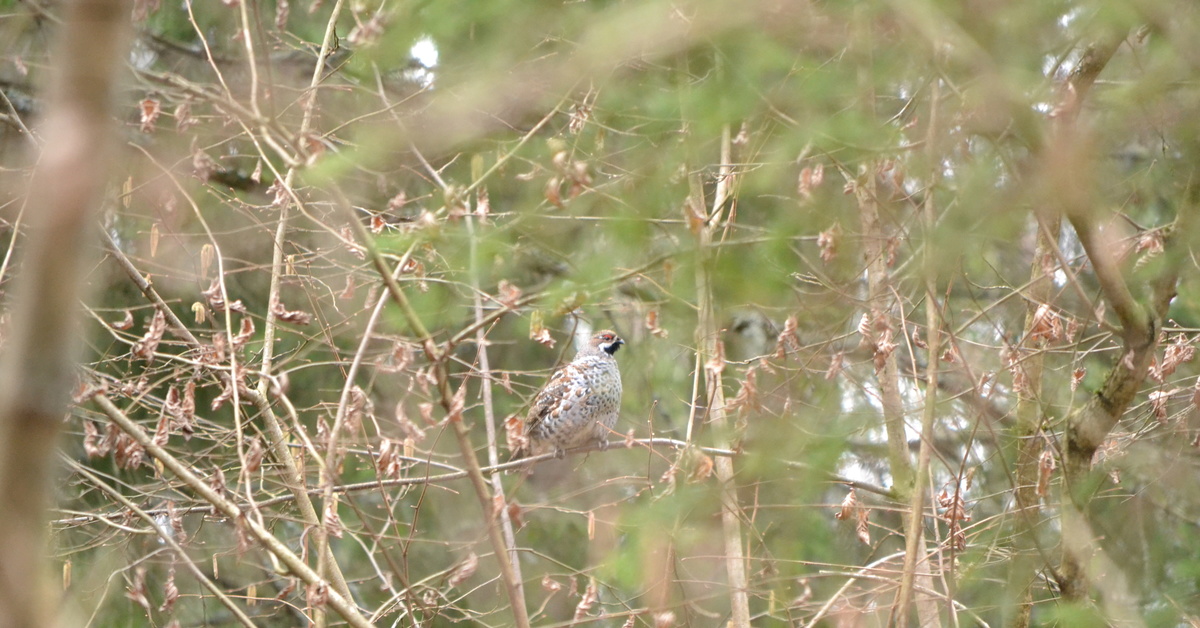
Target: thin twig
298, 567
165, 537
453, 409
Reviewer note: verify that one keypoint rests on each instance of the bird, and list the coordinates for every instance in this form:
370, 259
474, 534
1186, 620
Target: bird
579, 404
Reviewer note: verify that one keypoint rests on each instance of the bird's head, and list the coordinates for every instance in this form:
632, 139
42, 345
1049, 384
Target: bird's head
607, 341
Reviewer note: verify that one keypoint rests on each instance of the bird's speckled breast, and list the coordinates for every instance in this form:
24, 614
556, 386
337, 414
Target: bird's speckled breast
587, 408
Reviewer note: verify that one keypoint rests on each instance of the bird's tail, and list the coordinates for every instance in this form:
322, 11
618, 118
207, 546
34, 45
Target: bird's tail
520, 453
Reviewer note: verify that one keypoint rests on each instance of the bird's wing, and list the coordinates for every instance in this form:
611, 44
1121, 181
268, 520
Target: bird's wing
558, 392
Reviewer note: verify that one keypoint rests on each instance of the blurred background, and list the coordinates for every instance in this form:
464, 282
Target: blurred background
769, 201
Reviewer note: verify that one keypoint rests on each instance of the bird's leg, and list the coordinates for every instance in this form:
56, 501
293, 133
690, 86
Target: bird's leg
560, 453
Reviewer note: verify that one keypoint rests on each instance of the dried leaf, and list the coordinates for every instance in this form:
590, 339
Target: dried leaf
715, 365
244, 334
560, 159
1158, 403
464, 570
1046, 467
145, 347
848, 506
1072, 329
515, 513
483, 204
162, 431
400, 358
208, 254
86, 390
806, 594
128, 453
389, 463
591, 595
862, 528
142, 9
93, 445
333, 521
580, 174
652, 325
1045, 325
1150, 246
1011, 358
694, 214
296, 317
580, 114
743, 135
186, 413
348, 291
507, 294
358, 406
955, 507
884, 347
367, 33
217, 480
203, 166
136, 591
1178, 352
890, 247
254, 455
538, 332
1127, 360
216, 299
123, 324
184, 119
702, 468
788, 340
552, 192
410, 429
226, 393
170, 591
835, 365
317, 594
809, 180
278, 192
149, 108
864, 327
746, 399
514, 431
426, 410
282, 10
457, 403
